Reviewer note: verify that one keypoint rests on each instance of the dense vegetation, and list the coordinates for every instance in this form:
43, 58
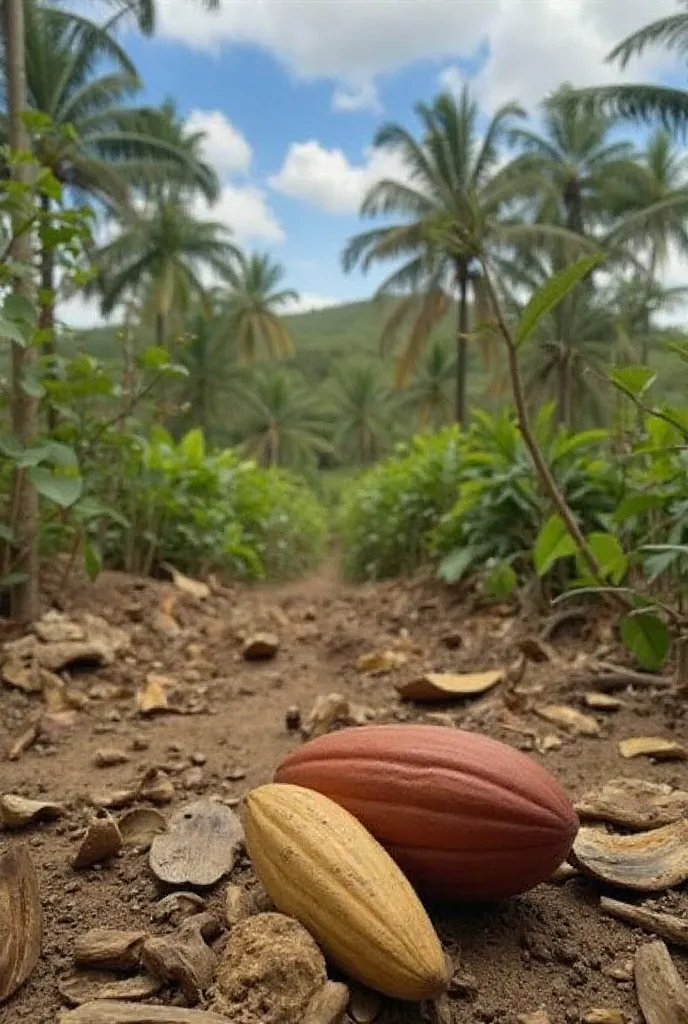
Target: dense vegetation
509, 405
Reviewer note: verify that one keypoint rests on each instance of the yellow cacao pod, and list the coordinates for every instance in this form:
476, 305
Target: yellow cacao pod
321, 866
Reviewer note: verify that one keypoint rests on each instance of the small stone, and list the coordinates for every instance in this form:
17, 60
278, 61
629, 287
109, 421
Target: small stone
292, 718
103, 840
198, 758
261, 647
109, 757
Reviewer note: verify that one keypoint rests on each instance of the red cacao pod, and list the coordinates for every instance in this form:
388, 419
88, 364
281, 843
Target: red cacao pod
466, 817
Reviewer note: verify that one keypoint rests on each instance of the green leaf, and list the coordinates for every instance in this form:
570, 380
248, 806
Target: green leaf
193, 445
636, 504
553, 542
551, 294
634, 380
20, 309
646, 637
13, 332
499, 582
154, 358
455, 565
609, 554
13, 578
93, 560
63, 490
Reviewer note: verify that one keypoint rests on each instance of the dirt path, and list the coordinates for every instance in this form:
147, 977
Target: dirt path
550, 949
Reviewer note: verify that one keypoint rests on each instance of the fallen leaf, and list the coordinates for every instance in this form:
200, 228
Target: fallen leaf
381, 661
195, 588
110, 757
666, 926
105, 1012
109, 948
54, 627
23, 742
662, 996
21, 920
569, 718
102, 841
548, 742
365, 1006
183, 957
17, 811
327, 709
646, 861
139, 826
634, 803
237, 904
328, 1004
538, 1017
85, 986
260, 647
653, 746
604, 1015
444, 685
22, 675
603, 701
199, 845
537, 650
177, 906
156, 787
152, 697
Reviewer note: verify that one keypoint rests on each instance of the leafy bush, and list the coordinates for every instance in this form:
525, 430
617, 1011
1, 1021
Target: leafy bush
387, 516
472, 500
500, 506
202, 511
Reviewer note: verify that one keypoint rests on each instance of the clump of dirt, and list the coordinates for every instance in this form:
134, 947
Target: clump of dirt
226, 721
270, 969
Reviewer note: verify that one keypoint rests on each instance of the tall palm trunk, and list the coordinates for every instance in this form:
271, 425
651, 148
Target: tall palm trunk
461, 408
24, 411
651, 274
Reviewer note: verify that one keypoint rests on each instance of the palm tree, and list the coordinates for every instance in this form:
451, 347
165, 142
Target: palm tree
161, 253
96, 145
571, 166
359, 399
646, 103
428, 395
652, 204
254, 309
280, 421
453, 208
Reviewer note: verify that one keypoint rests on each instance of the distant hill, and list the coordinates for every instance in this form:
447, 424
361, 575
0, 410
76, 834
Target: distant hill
325, 337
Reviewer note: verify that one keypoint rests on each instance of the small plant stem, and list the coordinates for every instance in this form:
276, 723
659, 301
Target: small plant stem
548, 482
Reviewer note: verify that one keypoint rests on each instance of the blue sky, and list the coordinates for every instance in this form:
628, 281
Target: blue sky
291, 92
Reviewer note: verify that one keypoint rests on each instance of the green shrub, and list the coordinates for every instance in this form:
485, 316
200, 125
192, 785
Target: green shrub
202, 511
387, 516
500, 506
472, 500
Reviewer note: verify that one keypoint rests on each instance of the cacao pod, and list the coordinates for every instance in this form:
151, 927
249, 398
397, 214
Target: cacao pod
320, 865
465, 816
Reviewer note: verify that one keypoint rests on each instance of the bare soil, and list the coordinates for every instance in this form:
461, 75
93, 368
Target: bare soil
550, 949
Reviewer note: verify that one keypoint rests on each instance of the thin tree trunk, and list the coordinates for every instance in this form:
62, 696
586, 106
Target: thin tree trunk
645, 344
46, 319
25, 596
461, 409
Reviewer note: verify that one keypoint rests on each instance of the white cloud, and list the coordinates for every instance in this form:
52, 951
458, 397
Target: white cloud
245, 210
351, 98
224, 146
326, 178
308, 301
534, 44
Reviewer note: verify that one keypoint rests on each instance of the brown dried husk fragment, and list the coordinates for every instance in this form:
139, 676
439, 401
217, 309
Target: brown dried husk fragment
109, 948
634, 803
645, 862
21, 920
328, 1004
666, 926
662, 996
105, 1012
85, 986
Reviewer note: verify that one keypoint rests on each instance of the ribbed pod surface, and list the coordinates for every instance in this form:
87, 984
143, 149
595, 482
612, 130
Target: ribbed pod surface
465, 816
321, 866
